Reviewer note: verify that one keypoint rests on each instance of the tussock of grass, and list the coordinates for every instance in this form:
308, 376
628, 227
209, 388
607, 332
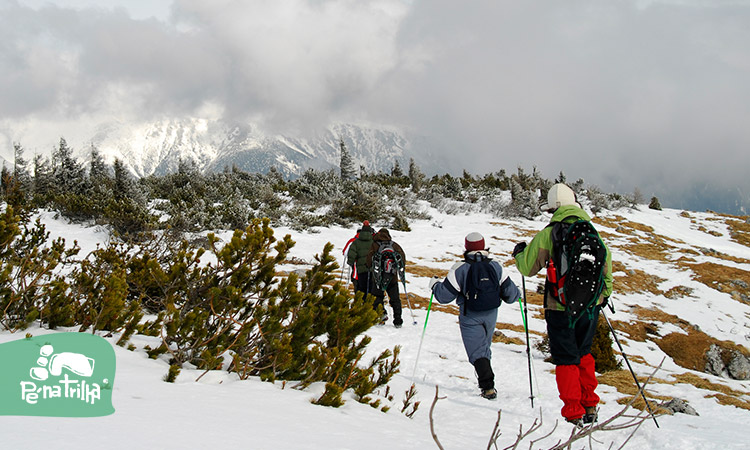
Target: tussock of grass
689, 350
498, 336
678, 292
711, 232
636, 331
419, 302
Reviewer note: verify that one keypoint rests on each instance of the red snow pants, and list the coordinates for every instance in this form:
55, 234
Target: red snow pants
571, 353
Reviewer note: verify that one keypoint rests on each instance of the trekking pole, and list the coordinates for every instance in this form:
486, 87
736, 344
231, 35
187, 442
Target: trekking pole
343, 266
524, 316
402, 273
414, 320
640, 389
419, 349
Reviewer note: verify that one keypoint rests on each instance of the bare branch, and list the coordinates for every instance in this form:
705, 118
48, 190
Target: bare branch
495, 432
432, 424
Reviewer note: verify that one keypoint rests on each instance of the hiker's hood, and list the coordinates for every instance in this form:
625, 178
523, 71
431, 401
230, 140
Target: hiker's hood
382, 235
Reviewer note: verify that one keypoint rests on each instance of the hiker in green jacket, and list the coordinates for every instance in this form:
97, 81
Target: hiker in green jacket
570, 343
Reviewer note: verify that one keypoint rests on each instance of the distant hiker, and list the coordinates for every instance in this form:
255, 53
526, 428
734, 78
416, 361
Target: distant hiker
356, 257
478, 284
386, 262
570, 324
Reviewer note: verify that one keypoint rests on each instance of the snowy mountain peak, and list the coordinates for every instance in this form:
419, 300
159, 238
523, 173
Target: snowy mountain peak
212, 145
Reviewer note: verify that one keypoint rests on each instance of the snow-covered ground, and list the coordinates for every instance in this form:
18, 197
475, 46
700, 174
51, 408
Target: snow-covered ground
220, 411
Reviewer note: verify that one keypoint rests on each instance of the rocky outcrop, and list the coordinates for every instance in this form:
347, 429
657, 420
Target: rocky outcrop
737, 367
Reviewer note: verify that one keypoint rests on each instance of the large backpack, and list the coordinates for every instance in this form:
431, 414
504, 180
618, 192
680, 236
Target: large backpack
575, 274
482, 286
387, 263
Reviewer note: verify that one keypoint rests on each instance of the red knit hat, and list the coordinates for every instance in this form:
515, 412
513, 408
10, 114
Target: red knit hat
366, 223
474, 241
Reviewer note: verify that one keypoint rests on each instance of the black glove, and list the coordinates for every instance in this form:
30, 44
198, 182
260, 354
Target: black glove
521, 246
605, 302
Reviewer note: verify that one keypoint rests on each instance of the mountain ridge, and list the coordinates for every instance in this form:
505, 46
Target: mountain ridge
212, 145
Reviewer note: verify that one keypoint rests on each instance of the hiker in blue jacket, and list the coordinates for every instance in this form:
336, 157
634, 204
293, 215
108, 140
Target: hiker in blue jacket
477, 322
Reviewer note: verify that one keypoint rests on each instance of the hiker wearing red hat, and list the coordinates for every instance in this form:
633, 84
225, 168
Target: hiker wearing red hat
478, 284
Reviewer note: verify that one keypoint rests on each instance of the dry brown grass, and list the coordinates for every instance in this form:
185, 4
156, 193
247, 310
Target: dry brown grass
689, 350
658, 315
517, 328
718, 276
653, 248
621, 225
723, 394
424, 271
534, 298
711, 232
649, 246
678, 292
622, 380
636, 331
499, 337
739, 230
731, 401
702, 383
635, 280
647, 324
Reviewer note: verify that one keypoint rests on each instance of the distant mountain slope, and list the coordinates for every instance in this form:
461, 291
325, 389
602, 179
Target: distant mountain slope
158, 148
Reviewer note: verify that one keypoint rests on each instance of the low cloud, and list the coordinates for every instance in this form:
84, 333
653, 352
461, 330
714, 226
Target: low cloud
623, 94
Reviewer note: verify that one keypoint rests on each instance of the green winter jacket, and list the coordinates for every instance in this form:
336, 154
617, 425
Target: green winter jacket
539, 251
357, 253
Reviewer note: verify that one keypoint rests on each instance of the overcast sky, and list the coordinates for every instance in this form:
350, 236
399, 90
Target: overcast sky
621, 93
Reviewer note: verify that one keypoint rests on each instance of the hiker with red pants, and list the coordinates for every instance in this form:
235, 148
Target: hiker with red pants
569, 340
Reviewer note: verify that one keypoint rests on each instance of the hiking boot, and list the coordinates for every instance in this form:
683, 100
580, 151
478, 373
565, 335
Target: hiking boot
397, 325
591, 415
384, 319
489, 394
577, 422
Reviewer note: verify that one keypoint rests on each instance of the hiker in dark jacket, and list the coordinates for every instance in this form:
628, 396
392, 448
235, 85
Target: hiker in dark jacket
570, 346
388, 283
477, 327
356, 257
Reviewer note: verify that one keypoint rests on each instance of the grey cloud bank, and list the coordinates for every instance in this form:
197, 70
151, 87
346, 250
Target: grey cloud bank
623, 94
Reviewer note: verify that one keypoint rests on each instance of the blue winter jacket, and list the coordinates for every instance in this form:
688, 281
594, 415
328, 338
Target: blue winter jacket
452, 287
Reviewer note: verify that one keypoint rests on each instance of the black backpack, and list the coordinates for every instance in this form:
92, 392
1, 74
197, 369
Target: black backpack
386, 264
575, 274
482, 286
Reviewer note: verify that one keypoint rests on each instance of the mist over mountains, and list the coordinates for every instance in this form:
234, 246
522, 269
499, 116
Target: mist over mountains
212, 145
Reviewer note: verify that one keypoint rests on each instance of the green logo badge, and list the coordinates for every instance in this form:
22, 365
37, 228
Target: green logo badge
59, 375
